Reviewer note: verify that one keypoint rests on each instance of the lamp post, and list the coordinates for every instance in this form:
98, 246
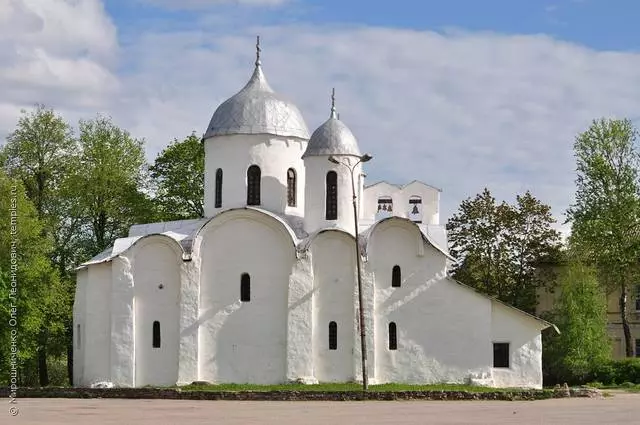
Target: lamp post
363, 343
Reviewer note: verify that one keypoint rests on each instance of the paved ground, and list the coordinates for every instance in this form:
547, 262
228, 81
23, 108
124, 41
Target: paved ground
621, 409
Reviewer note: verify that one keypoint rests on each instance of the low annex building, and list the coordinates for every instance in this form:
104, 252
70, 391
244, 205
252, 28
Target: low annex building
262, 290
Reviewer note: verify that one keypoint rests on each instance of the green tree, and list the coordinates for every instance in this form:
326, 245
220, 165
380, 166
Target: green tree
38, 295
39, 152
109, 181
499, 246
581, 316
178, 174
605, 215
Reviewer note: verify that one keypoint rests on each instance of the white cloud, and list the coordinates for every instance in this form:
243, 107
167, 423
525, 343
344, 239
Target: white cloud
458, 110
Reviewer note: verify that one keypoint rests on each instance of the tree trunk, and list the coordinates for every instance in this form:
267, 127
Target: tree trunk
43, 372
628, 343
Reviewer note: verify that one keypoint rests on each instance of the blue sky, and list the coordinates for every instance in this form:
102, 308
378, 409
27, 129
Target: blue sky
461, 94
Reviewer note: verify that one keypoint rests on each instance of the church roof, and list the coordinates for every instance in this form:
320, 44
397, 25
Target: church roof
257, 109
333, 137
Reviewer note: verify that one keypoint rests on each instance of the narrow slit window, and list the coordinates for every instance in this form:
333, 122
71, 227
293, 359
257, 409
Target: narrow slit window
78, 337
396, 277
501, 354
253, 185
333, 336
291, 187
332, 196
245, 287
393, 336
218, 188
156, 334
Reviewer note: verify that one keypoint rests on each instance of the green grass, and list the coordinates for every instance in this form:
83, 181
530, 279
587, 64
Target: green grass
627, 386
338, 387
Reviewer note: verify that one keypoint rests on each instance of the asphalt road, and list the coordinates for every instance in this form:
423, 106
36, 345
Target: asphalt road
621, 409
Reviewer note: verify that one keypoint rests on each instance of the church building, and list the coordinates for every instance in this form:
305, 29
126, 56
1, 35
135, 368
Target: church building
263, 289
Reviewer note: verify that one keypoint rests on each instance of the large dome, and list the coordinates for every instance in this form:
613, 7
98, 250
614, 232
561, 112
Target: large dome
257, 109
333, 137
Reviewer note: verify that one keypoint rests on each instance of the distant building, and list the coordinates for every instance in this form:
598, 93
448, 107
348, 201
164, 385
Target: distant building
263, 289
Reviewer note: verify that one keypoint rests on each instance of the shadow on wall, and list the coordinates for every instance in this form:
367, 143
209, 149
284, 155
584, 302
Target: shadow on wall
273, 194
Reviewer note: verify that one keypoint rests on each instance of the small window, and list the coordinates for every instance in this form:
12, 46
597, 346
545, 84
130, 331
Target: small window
638, 297
332, 196
396, 277
393, 336
415, 209
333, 336
245, 287
78, 337
385, 207
500, 354
291, 187
637, 347
156, 334
253, 185
218, 188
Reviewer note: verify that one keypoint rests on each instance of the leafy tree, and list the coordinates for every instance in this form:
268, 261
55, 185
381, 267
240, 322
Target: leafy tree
581, 315
38, 152
109, 181
500, 246
39, 297
178, 174
605, 216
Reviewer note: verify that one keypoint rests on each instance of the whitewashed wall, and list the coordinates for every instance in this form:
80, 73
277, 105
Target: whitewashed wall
525, 347
333, 259
235, 154
400, 197
156, 274
97, 333
79, 325
444, 330
316, 168
244, 342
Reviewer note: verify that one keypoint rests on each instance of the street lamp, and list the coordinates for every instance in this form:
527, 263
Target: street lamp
363, 343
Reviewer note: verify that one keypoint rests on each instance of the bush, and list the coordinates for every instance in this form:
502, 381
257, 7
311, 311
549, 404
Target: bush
617, 372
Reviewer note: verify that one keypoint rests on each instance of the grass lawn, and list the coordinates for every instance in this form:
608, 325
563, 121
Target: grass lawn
343, 387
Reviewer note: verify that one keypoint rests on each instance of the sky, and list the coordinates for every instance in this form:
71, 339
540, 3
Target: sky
460, 94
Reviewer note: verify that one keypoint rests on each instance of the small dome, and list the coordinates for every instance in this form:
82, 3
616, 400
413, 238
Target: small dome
257, 109
333, 137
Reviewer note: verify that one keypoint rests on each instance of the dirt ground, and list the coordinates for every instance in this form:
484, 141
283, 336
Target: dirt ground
621, 409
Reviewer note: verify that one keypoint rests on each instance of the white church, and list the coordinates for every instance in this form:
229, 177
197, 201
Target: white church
263, 289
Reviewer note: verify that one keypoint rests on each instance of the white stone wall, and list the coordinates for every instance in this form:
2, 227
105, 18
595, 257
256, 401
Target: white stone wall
236, 153
244, 341
333, 259
316, 168
525, 347
79, 327
400, 196
97, 329
156, 274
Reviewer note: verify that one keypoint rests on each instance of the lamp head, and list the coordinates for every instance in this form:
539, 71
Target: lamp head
333, 159
366, 157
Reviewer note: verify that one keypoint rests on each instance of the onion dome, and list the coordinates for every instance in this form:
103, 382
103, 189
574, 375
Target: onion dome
257, 109
333, 137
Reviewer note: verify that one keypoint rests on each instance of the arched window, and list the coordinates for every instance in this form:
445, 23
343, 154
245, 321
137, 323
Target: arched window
291, 187
415, 209
253, 185
333, 336
156, 334
245, 287
218, 188
396, 277
393, 336
332, 196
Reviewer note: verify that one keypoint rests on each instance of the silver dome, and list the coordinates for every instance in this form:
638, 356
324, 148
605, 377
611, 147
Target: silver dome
257, 109
333, 137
